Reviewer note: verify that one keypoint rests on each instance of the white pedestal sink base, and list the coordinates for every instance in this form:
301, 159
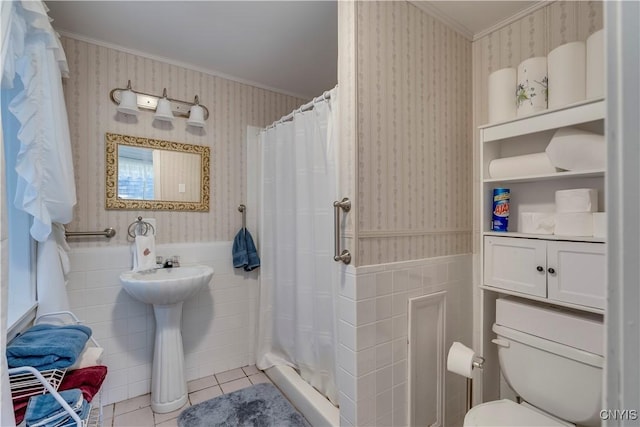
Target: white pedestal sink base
166, 289
168, 384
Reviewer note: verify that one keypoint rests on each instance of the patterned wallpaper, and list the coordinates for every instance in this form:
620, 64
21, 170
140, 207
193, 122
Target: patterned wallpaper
95, 70
348, 120
414, 157
533, 35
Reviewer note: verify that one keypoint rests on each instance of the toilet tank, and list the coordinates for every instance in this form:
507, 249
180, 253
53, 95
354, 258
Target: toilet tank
552, 358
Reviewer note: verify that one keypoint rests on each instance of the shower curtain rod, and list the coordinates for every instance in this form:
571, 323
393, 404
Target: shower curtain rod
306, 107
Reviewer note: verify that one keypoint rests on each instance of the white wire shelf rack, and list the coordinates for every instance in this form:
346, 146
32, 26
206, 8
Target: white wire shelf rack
26, 381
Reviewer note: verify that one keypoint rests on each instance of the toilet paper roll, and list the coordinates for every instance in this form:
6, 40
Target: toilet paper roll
595, 65
502, 86
531, 91
577, 200
574, 224
600, 224
460, 360
528, 164
537, 222
575, 149
567, 74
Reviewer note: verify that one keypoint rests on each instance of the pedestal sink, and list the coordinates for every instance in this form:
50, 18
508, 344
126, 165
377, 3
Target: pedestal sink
167, 289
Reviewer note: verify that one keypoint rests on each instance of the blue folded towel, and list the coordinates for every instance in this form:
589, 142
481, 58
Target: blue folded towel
48, 346
244, 251
45, 411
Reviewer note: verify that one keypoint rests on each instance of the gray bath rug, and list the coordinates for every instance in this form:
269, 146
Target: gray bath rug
261, 405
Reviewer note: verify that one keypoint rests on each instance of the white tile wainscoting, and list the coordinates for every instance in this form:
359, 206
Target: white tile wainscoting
373, 331
218, 324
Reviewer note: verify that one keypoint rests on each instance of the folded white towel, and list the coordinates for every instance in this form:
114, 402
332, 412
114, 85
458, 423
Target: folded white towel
90, 356
144, 253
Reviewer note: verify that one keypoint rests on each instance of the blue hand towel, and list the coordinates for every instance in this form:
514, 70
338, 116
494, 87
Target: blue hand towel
45, 411
239, 251
253, 260
48, 346
244, 251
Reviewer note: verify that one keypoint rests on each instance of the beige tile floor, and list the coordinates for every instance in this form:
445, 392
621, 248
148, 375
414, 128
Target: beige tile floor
137, 411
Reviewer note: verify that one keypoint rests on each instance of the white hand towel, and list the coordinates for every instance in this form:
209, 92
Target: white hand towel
144, 257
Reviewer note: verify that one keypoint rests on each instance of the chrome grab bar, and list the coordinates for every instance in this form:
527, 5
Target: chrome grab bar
345, 205
108, 233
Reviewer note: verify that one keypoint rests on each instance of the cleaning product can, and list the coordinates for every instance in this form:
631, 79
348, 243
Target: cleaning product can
500, 219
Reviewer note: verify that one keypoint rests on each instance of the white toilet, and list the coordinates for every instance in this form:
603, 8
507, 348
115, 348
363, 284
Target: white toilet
553, 360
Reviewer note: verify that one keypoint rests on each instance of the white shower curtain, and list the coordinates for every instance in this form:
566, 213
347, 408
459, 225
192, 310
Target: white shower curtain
298, 277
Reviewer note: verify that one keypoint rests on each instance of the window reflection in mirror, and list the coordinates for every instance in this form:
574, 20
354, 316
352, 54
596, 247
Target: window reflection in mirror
135, 173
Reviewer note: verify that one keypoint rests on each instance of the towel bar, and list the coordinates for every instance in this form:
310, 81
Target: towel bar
107, 232
140, 228
243, 210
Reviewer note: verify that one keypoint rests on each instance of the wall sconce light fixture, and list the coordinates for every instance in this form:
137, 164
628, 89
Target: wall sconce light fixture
196, 114
130, 101
163, 110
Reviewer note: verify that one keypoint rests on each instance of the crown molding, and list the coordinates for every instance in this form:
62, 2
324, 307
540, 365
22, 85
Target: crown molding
189, 66
444, 18
426, 7
510, 20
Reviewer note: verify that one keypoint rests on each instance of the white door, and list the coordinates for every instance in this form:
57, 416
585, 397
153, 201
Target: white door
516, 264
576, 273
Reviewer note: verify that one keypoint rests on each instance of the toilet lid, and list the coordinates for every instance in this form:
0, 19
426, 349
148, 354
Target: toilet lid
508, 413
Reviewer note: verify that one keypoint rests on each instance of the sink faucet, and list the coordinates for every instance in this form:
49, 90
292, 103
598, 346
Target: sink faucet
171, 262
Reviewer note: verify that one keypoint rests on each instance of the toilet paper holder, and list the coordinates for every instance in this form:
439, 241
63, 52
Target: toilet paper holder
477, 363
463, 361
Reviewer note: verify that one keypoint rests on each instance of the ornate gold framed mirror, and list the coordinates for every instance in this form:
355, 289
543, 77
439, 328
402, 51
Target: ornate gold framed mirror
153, 174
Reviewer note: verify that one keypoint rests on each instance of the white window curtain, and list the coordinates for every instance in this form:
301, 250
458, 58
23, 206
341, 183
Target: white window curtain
298, 277
46, 187
31, 51
136, 179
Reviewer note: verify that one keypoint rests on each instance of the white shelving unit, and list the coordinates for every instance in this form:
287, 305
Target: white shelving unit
545, 236
26, 381
547, 177
524, 261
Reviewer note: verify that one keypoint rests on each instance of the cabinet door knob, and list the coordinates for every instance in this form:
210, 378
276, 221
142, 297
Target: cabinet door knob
539, 268
551, 270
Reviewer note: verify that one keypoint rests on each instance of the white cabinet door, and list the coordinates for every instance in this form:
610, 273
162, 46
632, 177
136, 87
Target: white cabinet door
576, 273
516, 264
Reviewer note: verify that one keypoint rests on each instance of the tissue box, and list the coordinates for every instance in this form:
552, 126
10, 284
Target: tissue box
537, 222
600, 224
574, 224
577, 200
